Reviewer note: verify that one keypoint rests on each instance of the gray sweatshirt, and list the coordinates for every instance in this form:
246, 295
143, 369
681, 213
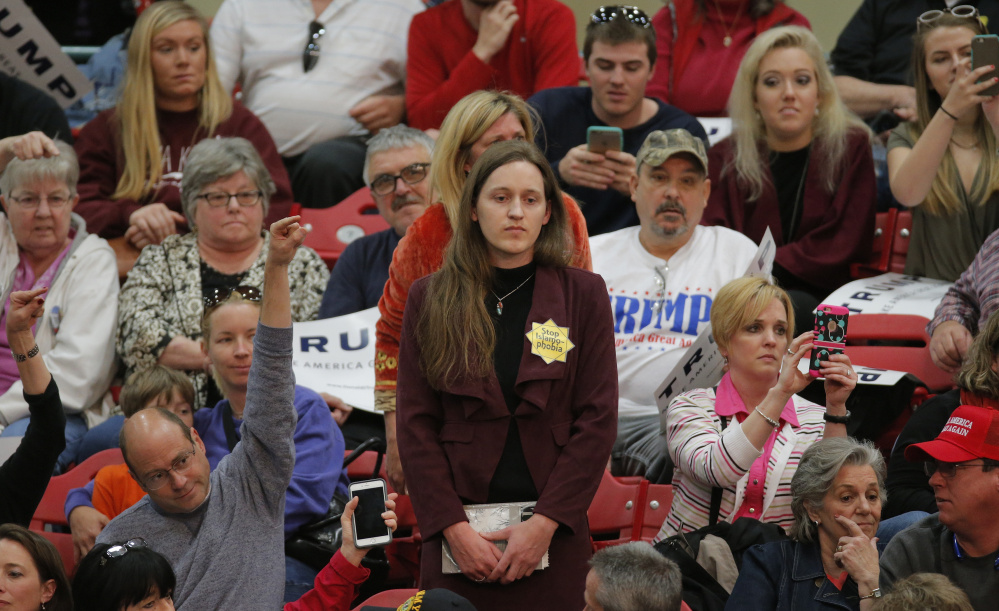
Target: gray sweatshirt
229, 553
928, 547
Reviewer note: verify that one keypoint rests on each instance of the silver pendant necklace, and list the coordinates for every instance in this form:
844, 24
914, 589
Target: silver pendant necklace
499, 300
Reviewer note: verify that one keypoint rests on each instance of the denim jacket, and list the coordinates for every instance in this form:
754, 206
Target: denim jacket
788, 576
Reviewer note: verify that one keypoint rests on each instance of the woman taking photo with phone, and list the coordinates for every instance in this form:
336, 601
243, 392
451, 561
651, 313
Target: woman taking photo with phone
943, 164
487, 415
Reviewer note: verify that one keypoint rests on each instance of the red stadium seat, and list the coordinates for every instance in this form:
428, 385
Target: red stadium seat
615, 514
51, 511
899, 246
884, 231
900, 342
658, 499
335, 227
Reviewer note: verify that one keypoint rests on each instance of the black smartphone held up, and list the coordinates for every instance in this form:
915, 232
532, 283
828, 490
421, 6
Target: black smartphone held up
830, 335
601, 138
368, 526
985, 52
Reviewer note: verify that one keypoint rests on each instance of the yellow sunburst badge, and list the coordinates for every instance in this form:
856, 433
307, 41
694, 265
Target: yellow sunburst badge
550, 341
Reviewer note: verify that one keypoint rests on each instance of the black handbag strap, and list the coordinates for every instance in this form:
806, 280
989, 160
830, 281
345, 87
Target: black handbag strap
229, 426
716, 492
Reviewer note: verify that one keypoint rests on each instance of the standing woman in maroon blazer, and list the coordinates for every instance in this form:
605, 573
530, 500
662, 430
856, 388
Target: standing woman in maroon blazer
507, 390
799, 162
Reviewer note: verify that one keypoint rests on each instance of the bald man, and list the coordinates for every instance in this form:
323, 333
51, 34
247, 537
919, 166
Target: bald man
223, 530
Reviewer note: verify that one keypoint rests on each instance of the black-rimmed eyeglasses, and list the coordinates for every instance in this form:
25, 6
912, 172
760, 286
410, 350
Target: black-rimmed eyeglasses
117, 551
311, 54
947, 470
411, 175
218, 199
634, 15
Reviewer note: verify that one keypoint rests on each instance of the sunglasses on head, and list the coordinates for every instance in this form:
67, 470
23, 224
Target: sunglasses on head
635, 15
310, 56
219, 295
965, 11
117, 551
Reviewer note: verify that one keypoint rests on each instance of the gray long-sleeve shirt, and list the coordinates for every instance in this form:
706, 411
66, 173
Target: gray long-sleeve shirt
229, 553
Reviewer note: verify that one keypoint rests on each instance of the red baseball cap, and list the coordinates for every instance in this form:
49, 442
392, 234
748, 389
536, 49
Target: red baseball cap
971, 432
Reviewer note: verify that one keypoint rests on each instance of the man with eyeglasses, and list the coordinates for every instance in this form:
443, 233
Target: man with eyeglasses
620, 56
323, 77
871, 60
223, 531
661, 278
962, 540
395, 169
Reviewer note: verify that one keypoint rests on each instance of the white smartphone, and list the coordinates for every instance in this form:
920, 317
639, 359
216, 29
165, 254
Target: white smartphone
369, 527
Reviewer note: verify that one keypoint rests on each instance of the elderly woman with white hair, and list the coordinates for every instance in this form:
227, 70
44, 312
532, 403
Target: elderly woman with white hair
43, 243
831, 560
225, 194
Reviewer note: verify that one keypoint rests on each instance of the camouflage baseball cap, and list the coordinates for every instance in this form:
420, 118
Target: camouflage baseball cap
661, 145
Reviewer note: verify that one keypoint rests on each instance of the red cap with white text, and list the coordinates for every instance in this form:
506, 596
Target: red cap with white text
971, 432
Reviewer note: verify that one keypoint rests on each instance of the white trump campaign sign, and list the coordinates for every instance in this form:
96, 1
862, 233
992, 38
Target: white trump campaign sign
29, 53
337, 356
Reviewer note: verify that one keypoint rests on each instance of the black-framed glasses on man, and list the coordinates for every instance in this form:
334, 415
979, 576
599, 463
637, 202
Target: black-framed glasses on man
117, 551
634, 15
311, 54
183, 464
218, 199
947, 470
411, 175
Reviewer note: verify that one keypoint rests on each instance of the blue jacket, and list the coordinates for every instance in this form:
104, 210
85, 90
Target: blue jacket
788, 576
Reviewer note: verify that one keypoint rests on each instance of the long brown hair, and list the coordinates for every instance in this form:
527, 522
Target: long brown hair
47, 561
976, 375
943, 197
454, 331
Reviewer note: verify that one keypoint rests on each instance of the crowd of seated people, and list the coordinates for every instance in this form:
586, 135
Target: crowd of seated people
161, 249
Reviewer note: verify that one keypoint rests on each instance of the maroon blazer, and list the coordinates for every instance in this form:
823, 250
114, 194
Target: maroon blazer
451, 442
836, 229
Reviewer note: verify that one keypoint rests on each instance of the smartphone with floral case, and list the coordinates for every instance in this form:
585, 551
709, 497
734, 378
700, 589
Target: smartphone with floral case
830, 335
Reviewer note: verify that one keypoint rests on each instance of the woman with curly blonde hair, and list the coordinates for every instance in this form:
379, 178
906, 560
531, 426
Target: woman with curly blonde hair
132, 156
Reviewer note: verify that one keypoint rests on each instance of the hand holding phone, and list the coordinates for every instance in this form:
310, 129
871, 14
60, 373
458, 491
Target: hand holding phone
368, 526
601, 138
830, 335
985, 52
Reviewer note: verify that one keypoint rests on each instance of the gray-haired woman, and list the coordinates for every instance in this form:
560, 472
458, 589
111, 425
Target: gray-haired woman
43, 243
225, 194
831, 560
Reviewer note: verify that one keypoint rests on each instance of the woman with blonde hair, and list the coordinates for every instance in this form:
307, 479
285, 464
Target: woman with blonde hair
478, 121
736, 447
132, 156
943, 163
487, 415
797, 162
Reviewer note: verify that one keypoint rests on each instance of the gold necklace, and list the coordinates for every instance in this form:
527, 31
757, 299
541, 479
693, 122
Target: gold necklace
727, 41
967, 147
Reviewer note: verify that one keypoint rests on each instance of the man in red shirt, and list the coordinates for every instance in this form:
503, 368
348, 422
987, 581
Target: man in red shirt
520, 46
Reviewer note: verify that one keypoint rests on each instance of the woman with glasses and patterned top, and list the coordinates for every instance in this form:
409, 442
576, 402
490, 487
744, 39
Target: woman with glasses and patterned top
32, 577
132, 157
797, 162
478, 121
507, 392
736, 446
44, 243
701, 44
944, 164
226, 193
